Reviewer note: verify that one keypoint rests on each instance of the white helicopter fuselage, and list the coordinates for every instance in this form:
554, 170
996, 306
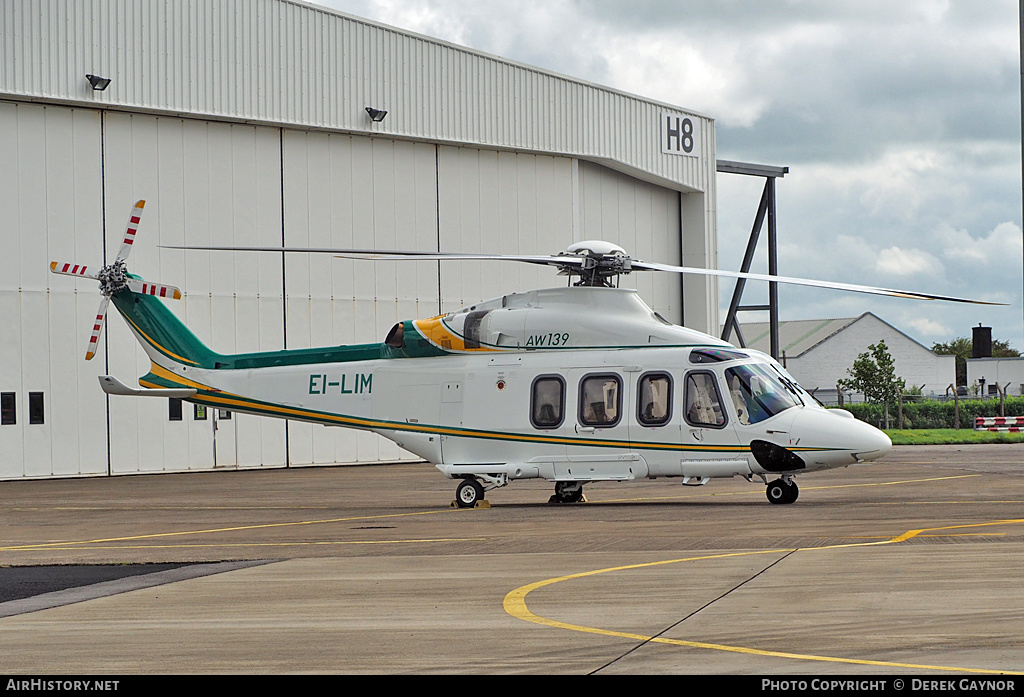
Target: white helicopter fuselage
571, 385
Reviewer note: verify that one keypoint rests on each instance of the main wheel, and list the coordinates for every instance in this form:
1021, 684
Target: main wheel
468, 493
781, 491
567, 492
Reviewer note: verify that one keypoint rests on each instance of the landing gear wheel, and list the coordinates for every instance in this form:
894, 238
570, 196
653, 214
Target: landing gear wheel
468, 493
781, 491
567, 492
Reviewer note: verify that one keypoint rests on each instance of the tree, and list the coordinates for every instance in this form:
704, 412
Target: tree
874, 375
963, 348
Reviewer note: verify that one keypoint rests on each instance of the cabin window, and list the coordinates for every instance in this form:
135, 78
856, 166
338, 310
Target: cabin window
703, 404
600, 400
547, 403
758, 393
654, 405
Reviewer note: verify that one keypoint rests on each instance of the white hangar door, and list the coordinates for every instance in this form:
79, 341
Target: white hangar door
204, 183
347, 191
641, 218
53, 410
494, 202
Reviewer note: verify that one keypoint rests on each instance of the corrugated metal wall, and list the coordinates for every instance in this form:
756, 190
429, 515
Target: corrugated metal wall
76, 172
476, 154
281, 62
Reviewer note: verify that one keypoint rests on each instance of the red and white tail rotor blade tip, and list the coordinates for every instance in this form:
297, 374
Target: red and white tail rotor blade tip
129, 233
66, 268
97, 329
157, 289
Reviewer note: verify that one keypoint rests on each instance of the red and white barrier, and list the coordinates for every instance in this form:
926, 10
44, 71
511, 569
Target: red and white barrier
1012, 424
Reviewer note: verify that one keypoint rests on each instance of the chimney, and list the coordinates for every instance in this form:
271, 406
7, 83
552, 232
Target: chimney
982, 342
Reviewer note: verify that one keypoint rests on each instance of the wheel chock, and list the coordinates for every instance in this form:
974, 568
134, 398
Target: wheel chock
482, 503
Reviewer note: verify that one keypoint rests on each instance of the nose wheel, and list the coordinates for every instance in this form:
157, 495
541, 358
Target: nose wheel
782, 491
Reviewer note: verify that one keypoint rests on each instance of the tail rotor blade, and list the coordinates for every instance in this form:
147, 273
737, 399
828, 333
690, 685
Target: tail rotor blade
66, 268
129, 233
157, 289
97, 329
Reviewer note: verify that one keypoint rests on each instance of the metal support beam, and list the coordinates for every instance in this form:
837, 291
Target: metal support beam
773, 269
766, 208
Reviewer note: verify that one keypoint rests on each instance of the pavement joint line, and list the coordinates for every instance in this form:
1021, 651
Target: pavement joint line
515, 605
806, 488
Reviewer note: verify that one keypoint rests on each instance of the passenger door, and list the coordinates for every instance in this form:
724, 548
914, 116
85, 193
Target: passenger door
600, 448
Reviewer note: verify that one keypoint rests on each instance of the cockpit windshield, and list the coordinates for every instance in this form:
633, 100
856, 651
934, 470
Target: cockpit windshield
758, 392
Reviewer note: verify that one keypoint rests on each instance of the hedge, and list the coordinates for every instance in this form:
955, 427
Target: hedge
936, 414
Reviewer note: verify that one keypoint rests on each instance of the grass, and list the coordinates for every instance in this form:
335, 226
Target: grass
951, 436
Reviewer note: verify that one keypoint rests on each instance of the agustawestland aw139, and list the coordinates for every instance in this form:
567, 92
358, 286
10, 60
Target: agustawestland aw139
576, 384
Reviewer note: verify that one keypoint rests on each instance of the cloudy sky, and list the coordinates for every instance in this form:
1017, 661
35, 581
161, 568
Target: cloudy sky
899, 121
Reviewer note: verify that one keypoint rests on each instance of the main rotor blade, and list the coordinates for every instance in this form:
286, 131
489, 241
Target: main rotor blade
650, 266
394, 255
66, 268
97, 329
431, 256
129, 233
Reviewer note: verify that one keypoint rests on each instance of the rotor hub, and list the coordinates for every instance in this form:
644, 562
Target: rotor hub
113, 278
602, 261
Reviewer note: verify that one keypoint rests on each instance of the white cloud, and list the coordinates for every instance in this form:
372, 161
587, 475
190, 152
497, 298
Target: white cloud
1003, 245
929, 327
906, 262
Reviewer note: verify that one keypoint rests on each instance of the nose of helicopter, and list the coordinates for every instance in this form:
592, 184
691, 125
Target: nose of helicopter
840, 432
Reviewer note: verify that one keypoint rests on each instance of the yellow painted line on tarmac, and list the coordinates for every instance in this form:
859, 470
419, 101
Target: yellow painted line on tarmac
209, 531
273, 544
515, 605
966, 534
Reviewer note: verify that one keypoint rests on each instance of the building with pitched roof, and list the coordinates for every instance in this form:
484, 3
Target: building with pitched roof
819, 352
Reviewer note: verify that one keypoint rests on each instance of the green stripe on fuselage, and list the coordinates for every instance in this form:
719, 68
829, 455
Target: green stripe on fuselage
166, 333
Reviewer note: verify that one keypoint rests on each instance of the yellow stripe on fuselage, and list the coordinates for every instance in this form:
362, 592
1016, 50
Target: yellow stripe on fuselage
434, 331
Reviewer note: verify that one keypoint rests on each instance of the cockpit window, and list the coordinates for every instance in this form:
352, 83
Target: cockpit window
759, 393
715, 355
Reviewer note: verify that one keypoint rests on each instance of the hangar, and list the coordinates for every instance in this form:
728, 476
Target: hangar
262, 122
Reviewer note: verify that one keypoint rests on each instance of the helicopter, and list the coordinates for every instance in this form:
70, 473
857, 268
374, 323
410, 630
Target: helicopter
575, 384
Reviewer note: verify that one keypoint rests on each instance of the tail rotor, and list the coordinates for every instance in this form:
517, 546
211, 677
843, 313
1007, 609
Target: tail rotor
114, 278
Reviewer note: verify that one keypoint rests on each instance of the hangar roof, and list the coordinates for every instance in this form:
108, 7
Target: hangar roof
797, 337
283, 62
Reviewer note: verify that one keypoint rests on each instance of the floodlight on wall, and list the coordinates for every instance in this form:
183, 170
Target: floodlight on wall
376, 114
98, 83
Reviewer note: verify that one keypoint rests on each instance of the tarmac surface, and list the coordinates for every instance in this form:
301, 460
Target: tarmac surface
910, 566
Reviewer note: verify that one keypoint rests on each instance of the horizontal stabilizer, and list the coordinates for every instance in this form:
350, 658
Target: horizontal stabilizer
111, 385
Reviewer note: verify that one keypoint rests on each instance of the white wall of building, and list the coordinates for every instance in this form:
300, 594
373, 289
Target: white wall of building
824, 365
1007, 372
